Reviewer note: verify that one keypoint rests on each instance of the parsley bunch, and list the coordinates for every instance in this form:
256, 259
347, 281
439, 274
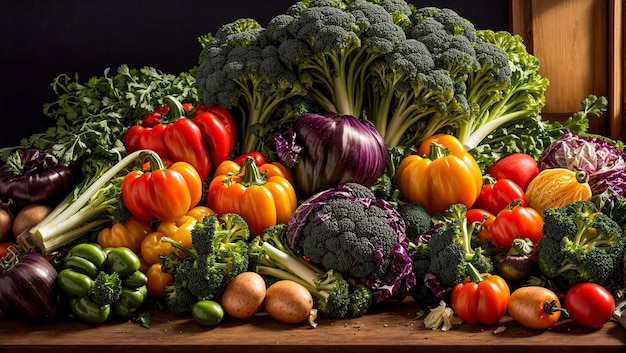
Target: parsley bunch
91, 117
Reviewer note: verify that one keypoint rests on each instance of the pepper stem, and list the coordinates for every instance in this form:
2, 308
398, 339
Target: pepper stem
252, 174
474, 275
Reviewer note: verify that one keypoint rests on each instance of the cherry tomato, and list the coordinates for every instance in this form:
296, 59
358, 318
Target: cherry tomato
589, 304
517, 222
162, 109
151, 119
188, 107
497, 195
4, 245
519, 167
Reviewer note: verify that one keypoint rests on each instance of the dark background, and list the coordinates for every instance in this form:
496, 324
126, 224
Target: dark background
40, 39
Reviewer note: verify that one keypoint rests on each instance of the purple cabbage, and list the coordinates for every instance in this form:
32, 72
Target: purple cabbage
329, 149
398, 278
602, 161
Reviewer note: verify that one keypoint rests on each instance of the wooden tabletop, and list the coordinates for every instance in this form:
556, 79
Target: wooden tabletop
391, 328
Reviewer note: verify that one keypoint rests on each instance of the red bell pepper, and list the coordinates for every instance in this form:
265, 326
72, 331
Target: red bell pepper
496, 195
225, 117
138, 137
216, 136
185, 142
204, 141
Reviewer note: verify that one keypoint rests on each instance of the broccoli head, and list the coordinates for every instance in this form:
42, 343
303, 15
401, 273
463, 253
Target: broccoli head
348, 230
106, 288
581, 244
218, 254
452, 245
272, 257
416, 218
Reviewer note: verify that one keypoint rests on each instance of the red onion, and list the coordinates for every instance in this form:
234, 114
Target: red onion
28, 287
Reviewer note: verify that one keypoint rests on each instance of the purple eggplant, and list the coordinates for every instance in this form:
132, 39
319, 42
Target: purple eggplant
28, 288
516, 264
329, 149
35, 176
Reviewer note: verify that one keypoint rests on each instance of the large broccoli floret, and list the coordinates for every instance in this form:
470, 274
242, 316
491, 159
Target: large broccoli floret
219, 253
272, 256
348, 230
416, 218
238, 68
330, 45
581, 244
452, 245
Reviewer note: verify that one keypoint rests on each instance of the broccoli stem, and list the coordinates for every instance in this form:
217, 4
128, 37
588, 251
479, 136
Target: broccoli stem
292, 269
74, 217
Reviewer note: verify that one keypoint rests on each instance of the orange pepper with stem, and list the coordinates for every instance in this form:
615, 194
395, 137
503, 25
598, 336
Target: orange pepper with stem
263, 199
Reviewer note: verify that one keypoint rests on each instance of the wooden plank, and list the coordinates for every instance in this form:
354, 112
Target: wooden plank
390, 328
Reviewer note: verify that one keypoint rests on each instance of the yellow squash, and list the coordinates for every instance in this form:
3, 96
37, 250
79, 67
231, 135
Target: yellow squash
557, 187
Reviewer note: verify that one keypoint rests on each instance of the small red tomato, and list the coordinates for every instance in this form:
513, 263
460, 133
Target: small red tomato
517, 222
589, 304
519, 167
495, 196
4, 245
151, 119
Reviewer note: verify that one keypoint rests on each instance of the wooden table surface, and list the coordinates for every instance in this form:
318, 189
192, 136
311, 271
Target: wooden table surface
392, 328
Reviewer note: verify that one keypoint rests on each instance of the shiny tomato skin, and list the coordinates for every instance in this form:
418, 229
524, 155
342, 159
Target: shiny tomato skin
517, 222
494, 197
589, 304
519, 167
4, 245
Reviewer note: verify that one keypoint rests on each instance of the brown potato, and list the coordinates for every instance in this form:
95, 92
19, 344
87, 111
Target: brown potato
288, 301
244, 295
29, 216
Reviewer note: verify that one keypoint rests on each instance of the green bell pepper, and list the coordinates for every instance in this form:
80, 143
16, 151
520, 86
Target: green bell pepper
100, 282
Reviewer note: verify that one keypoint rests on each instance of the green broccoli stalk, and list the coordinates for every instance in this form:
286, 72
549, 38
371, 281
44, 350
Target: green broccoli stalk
106, 288
496, 99
271, 256
452, 246
581, 244
218, 254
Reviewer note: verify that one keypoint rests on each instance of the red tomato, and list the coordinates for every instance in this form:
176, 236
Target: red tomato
589, 304
151, 119
4, 245
517, 222
519, 167
494, 197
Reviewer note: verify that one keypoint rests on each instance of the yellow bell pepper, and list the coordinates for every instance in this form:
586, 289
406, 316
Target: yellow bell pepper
441, 177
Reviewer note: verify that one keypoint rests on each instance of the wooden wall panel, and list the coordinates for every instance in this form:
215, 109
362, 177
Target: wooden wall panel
580, 44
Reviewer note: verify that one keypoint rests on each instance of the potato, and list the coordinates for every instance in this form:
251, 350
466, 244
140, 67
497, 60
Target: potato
29, 216
6, 223
244, 295
288, 301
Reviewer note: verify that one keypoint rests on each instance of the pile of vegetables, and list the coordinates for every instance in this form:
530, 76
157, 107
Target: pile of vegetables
347, 154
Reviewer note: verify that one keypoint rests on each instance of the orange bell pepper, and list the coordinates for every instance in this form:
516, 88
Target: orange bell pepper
129, 235
262, 198
160, 193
